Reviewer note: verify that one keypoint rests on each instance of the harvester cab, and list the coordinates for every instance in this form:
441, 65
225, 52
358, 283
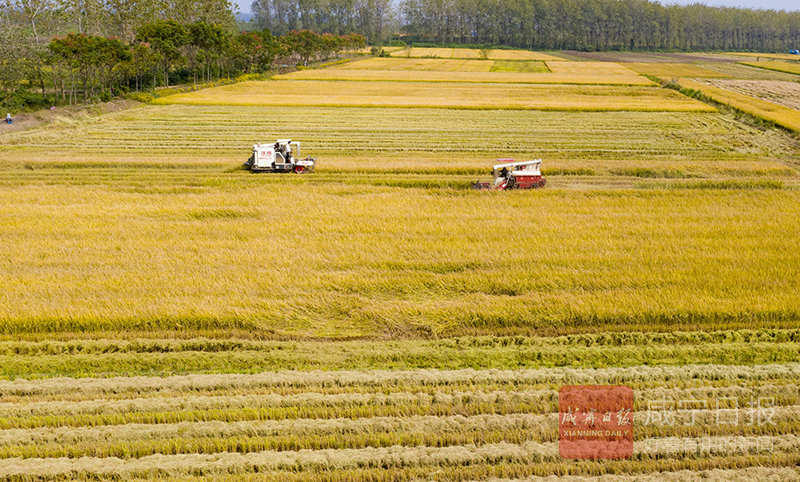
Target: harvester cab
514, 175
281, 156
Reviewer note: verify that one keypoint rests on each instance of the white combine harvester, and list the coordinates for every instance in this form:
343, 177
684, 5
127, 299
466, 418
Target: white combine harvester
514, 175
282, 156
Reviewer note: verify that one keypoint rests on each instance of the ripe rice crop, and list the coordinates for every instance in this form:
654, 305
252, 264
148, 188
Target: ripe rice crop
590, 68
414, 64
463, 76
472, 54
520, 55
782, 116
671, 70
456, 95
167, 315
465, 54
778, 66
441, 53
201, 286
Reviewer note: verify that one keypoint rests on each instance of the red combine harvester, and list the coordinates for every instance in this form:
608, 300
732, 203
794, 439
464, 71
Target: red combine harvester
514, 175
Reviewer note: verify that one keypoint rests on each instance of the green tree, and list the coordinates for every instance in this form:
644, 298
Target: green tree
166, 37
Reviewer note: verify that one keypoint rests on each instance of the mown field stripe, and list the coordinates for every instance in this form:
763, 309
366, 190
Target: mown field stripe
653, 471
404, 378
333, 460
138, 440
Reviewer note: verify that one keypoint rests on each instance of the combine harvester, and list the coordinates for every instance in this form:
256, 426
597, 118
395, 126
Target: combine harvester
514, 175
280, 157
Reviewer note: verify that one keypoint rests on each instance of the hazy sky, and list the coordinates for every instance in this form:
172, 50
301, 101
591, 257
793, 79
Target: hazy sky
244, 5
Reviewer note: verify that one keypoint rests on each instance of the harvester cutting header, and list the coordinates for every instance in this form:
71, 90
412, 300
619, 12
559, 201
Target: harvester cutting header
282, 156
514, 175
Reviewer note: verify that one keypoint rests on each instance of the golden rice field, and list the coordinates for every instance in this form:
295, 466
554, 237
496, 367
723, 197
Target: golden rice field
325, 93
475, 71
413, 64
672, 70
442, 53
590, 68
466, 76
166, 315
439, 65
792, 68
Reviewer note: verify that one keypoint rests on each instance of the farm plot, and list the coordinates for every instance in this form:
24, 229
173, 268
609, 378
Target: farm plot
527, 66
671, 70
520, 55
782, 116
407, 65
456, 95
590, 68
783, 93
398, 425
793, 68
400, 140
118, 254
466, 54
507, 77
472, 54
743, 72
440, 53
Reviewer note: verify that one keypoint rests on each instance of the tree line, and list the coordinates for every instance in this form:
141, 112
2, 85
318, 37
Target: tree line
544, 24
78, 67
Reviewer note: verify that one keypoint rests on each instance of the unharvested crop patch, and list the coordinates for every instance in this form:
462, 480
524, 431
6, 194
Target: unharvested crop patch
455, 95
601, 260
